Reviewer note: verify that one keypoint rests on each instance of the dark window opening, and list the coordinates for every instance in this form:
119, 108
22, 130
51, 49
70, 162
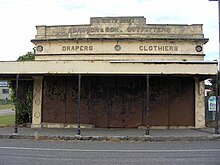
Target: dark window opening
5, 91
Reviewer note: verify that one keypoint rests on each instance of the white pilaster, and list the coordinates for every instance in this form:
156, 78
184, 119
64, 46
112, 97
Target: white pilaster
199, 103
37, 102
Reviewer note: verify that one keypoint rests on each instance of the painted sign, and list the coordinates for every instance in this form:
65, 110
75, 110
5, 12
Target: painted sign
3, 84
212, 103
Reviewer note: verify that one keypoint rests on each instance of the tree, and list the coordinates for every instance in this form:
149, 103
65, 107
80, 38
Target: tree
213, 82
25, 94
29, 56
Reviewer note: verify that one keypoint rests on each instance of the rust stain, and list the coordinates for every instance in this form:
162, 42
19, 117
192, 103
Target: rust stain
119, 101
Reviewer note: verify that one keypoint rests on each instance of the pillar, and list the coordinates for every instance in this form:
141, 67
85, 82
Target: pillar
199, 103
37, 102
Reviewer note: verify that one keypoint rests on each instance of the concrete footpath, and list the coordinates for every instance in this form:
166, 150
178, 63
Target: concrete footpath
95, 134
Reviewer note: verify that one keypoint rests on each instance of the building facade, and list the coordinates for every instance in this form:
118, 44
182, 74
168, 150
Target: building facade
117, 72
5, 92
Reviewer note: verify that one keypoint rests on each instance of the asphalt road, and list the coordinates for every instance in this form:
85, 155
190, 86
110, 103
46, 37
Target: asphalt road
6, 112
26, 152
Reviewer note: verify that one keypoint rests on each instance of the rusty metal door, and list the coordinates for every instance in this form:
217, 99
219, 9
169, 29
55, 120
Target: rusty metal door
159, 97
171, 101
119, 101
54, 97
115, 101
126, 107
99, 101
181, 102
71, 100
60, 100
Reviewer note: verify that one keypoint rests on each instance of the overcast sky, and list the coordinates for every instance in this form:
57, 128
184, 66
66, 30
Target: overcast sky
19, 18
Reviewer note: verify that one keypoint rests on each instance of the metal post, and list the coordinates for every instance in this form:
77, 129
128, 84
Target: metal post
217, 107
147, 114
217, 79
78, 105
16, 106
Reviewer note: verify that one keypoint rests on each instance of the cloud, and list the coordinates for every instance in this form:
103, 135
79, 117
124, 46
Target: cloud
18, 18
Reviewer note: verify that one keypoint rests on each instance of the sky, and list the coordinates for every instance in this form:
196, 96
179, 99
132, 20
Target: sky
18, 18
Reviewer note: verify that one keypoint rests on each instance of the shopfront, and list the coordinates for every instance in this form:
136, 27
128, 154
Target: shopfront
117, 72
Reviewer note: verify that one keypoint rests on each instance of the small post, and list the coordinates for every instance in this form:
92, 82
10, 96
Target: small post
147, 114
78, 105
16, 106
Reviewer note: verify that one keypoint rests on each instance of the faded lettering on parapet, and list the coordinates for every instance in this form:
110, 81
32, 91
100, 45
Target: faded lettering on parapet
141, 48
77, 48
110, 30
129, 29
88, 30
114, 20
143, 29
158, 48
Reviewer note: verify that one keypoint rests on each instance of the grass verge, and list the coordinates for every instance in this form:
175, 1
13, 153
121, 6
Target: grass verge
7, 120
7, 106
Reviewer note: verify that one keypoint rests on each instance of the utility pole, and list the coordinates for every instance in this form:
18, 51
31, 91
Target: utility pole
217, 76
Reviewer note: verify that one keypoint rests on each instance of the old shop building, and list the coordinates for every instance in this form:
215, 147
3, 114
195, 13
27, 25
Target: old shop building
129, 72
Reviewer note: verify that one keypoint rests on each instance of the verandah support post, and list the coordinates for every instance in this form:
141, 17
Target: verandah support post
16, 106
78, 105
147, 114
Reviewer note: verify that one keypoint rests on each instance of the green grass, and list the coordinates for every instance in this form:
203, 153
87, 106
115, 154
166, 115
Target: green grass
3, 101
7, 120
7, 106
